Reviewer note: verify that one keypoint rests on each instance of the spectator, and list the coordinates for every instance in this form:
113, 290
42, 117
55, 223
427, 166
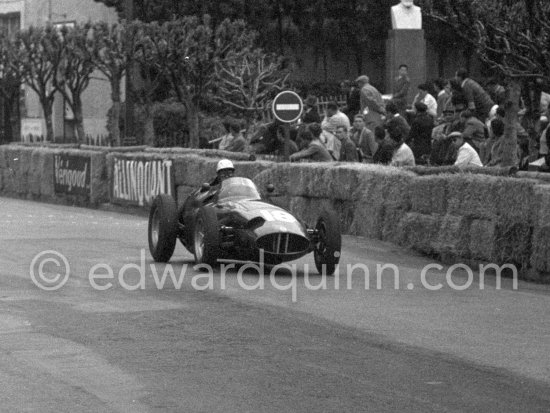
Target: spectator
311, 110
443, 90
467, 156
363, 138
396, 122
397, 127
353, 98
425, 97
420, 135
544, 102
234, 140
315, 150
443, 151
544, 152
478, 99
458, 99
334, 118
372, 104
445, 126
491, 153
348, 150
402, 155
401, 89
385, 147
474, 131
496, 91
268, 139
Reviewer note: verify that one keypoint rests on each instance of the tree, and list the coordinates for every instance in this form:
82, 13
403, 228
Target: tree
40, 52
248, 81
512, 38
111, 48
187, 51
75, 69
148, 76
10, 79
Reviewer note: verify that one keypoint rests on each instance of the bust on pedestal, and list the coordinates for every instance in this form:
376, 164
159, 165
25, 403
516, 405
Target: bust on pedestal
406, 15
406, 45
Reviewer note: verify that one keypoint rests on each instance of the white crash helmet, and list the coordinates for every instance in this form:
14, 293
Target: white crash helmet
224, 164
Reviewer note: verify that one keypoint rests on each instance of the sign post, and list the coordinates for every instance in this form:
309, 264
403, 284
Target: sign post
287, 108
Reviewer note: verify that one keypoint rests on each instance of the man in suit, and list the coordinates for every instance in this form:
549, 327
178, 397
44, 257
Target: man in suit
372, 104
401, 89
474, 132
478, 99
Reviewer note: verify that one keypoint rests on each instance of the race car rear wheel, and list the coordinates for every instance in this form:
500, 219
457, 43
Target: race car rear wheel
206, 236
162, 229
327, 249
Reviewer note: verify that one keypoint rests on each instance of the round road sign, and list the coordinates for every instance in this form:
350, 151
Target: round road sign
287, 106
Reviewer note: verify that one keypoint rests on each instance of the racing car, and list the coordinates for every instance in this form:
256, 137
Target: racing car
231, 221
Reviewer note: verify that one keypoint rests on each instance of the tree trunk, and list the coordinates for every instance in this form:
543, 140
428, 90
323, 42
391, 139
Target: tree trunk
8, 131
510, 142
47, 108
148, 126
114, 126
192, 115
79, 120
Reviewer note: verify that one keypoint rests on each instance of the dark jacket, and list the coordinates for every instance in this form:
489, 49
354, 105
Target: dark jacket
315, 152
385, 151
401, 92
398, 127
353, 103
474, 133
443, 152
348, 151
420, 136
477, 98
311, 116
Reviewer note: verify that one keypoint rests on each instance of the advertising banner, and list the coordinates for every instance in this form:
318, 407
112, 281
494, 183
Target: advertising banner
72, 174
138, 181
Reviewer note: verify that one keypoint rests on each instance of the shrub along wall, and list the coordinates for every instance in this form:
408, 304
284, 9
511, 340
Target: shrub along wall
452, 215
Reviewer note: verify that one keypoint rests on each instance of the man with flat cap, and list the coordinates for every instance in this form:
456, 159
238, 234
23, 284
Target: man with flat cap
467, 155
372, 104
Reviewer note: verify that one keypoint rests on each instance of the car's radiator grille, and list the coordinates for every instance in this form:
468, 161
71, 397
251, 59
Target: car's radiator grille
283, 243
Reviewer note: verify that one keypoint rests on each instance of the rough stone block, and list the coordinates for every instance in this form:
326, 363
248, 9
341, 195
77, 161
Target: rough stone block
47, 188
35, 173
453, 236
540, 255
100, 186
472, 196
482, 239
418, 231
428, 194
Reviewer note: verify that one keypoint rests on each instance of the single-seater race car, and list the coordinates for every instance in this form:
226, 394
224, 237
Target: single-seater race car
231, 221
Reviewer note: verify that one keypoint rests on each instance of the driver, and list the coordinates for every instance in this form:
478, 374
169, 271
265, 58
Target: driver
224, 170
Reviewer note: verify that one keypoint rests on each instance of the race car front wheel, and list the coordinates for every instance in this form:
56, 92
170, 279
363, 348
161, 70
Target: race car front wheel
206, 236
329, 243
162, 230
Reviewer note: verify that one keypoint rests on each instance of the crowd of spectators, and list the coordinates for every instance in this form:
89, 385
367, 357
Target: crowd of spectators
449, 122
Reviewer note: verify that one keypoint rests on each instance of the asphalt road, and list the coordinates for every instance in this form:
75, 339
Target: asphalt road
112, 339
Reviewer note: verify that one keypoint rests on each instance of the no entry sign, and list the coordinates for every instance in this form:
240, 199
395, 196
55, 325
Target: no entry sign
287, 106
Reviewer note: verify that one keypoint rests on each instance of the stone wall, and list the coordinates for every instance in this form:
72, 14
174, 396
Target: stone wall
454, 216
